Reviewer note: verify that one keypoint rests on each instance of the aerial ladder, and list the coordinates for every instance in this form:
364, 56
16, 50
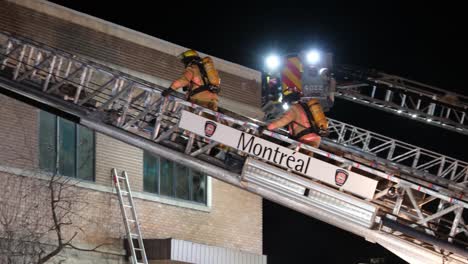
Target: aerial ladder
408, 199
406, 98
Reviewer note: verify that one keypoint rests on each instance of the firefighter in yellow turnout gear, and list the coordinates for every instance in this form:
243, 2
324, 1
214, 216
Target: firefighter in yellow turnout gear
305, 120
304, 89
200, 79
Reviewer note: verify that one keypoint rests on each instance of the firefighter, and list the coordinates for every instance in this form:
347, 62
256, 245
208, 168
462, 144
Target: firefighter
195, 81
305, 119
201, 81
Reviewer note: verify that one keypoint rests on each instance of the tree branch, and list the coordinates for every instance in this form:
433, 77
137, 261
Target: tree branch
57, 228
90, 249
50, 255
70, 240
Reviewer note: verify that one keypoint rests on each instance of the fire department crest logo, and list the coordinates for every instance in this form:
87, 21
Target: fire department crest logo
210, 128
340, 177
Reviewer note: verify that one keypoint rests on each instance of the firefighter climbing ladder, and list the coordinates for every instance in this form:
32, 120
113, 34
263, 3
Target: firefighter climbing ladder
397, 216
132, 225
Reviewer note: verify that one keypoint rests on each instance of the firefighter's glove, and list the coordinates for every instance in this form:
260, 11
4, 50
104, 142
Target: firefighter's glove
166, 92
261, 129
324, 132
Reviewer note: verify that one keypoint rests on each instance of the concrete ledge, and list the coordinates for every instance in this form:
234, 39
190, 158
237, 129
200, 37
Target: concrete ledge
107, 189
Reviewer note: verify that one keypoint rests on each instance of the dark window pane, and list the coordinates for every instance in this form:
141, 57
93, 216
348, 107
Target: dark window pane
182, 182
67, 148
47, 141
167, 177
199, 187
174, 180
150, 173
85, 153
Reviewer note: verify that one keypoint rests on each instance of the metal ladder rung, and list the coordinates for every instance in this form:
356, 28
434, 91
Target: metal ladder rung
122, 182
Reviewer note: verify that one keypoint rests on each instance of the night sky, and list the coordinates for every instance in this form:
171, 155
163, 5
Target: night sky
420, 41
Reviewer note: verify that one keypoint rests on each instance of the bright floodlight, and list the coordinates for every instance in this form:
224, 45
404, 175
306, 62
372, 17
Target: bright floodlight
272, 62
285, 106
313, 57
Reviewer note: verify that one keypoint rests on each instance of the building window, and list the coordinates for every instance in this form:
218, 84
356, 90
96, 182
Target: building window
65, 148
164, 177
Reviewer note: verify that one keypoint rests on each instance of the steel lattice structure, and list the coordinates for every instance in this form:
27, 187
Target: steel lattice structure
411, 179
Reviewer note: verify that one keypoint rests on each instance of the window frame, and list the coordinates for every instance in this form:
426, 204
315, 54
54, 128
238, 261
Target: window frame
57, 147
173, 195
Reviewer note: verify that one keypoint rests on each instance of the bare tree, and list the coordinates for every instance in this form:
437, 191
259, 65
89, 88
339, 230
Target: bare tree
40, 213
39, 218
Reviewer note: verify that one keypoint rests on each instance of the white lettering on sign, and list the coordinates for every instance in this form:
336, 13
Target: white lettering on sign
279, 155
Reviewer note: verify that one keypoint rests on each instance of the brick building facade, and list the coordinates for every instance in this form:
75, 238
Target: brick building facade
230, 218
33, 142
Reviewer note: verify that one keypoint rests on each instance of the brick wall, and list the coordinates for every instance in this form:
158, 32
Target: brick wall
109, 43
18, 133
234, 219
93, 217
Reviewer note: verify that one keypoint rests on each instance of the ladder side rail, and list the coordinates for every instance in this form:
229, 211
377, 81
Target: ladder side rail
422, 86
355, 164
135, 218
454, 105
371, 170
284, 138
457, 125
407, 184
124, 214
372, 134
225, 117
396, 81
421, 188
78, 59
241, 122
454, 116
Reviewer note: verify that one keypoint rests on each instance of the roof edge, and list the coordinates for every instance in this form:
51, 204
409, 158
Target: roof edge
131, 35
